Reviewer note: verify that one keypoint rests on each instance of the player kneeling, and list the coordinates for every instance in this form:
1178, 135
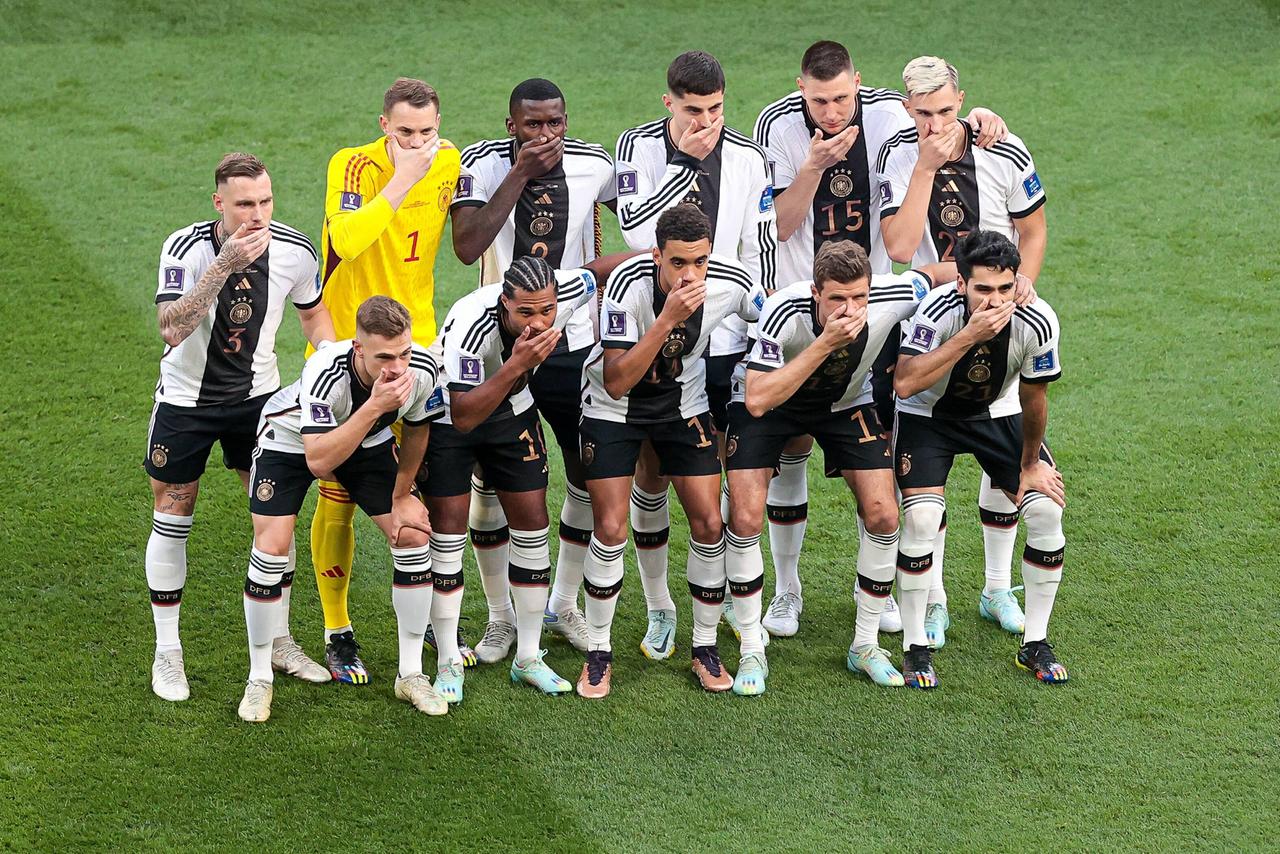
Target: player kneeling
335, 423
809, 374
494, 339
972, 378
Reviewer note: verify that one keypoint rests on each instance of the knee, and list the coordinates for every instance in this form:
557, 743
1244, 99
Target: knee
410, 538
611, 529
176, 499
745, 521
1043, 517
706, 527
922, 515
881, 517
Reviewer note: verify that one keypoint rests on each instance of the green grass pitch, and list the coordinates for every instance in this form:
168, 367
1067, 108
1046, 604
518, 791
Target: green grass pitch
1156, 130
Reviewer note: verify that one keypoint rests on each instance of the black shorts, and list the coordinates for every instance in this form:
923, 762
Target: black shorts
882, 376
685, 448
278, 481
180, 438
925, 447
557, 390
719, 387
510, 452
851, 440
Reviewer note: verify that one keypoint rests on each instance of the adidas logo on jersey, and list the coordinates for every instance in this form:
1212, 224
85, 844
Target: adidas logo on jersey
950, 187
544, 199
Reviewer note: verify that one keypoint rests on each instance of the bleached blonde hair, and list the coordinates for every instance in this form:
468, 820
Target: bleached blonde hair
926, 74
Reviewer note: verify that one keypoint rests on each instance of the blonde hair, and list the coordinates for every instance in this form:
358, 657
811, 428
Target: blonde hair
926, 74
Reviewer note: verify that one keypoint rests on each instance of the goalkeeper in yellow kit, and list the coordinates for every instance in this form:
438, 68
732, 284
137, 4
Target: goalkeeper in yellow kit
384, 212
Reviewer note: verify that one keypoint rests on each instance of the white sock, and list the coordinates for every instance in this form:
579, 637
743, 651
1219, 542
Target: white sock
329, 633
651, 527
530, 573
489, 542
602, 581
166, 565
575, 537
446, 599
922, 514
1042, 560
705, 571
724, 502
787, 510
876, 566
744, 566
938, 593
999, 534
411, 596
286, 591
261, 608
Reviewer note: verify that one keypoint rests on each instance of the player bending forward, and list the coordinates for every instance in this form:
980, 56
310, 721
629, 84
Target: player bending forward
809, 373
335, 423
972, 378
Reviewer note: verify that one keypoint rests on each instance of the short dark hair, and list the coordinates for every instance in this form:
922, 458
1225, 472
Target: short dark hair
986, 249
413, 92
533, 89
841, 261
825, 60
685, 222
695, 72
379, 315
237, 164
529, 273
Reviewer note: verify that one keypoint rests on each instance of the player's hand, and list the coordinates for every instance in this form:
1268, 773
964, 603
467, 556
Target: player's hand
1043, 478
936, 149
991, 128
391, 392
407, 511
532, 348
245, 246
413, 163
684, 301
1024, 292
842, 327
699, 142
537, 158
825, 153
986, 322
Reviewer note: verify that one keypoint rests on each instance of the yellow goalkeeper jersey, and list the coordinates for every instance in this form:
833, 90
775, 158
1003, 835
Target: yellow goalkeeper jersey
371, 248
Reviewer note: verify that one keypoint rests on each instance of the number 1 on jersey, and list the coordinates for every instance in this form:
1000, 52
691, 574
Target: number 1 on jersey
413, 249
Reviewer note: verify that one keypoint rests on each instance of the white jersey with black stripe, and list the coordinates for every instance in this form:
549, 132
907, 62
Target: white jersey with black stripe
475, 343
555, 219
983, 383
330, 389
675, 384
731, 186
847, 203
231, 355
1000, 181
788, 326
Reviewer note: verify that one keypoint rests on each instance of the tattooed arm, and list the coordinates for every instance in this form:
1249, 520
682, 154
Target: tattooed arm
179, 318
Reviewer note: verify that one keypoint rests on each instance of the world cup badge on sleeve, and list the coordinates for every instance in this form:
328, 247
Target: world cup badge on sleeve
617, 323
350, 202
173, 278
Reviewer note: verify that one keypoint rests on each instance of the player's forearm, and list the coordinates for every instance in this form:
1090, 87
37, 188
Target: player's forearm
179, 318
317, 325
326, 451
940, 273
768, 390
478, 225
794, 205
904, 230
352, 232
469, 409
623, 371
413, 447
915, 373
602, 268
1035, 420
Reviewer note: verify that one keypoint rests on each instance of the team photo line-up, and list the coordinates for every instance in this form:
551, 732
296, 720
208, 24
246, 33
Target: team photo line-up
755, 312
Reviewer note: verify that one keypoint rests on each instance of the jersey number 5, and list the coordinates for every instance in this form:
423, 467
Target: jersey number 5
233, 340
